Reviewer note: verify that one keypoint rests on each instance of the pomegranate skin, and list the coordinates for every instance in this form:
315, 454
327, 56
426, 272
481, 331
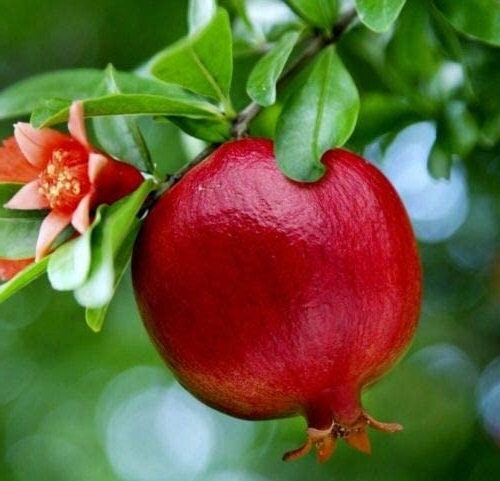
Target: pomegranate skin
270, 298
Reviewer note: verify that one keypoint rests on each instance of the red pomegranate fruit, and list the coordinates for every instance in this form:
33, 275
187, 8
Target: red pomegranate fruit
271, 298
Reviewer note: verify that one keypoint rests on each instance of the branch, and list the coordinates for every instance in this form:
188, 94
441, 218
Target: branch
316, 43
344, 22
245, 116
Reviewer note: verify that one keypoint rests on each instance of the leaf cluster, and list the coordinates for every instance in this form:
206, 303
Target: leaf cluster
329, 74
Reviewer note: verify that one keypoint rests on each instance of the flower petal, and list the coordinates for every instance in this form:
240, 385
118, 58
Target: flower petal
28, 197
112, 180
37, 144
13, 165
51, 227
76, 123
10, 267
81, 216
97, 162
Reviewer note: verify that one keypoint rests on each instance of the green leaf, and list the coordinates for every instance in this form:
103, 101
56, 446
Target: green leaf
200, 12
23, 278
413, 56
117, 221
261, 84
18, 228
320, 115
379, 15
18, 237
97, 290
490, 132
7, 191
22, 97
95, 316
119, 135
239, 8
478, 18
439, 163
379, 114
180, 103
79, 84
459, 128
207, 130
70, 263
201, 63
319, 13
164, 143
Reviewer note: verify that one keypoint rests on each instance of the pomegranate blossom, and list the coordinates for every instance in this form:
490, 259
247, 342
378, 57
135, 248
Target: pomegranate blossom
270, 298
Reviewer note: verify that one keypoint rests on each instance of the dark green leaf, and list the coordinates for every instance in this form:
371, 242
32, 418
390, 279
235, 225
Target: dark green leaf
490, 132
201, 63
379, 114
23, 278
320, 115
18, 228
261, 85
117, 221
379, 15
79, 84
119, 135
319, 13
180, 103
478, 18
413, 56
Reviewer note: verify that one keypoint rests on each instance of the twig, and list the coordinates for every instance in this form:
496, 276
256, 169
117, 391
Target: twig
243, 119
344, 22
174, 178
246, 115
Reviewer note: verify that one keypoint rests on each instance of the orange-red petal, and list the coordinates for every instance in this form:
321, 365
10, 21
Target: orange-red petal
76, 124
81, 216
97, 163
10, 267
28, 197
37, 145
13, 165
113, 180
51, 227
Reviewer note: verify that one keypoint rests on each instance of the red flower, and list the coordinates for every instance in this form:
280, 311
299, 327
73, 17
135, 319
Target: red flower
63, 174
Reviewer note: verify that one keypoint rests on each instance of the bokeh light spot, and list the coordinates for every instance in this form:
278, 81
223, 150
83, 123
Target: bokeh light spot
437, 207
489, 398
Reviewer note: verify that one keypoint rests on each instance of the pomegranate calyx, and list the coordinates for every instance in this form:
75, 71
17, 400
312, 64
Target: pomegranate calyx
379, 426
355, 435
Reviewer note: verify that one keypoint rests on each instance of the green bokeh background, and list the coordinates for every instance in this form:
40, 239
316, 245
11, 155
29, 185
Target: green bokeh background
75, 405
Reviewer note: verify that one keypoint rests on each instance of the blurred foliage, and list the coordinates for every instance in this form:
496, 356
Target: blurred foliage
79, 406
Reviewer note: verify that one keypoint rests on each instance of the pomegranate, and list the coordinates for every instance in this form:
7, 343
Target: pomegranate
271, 298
